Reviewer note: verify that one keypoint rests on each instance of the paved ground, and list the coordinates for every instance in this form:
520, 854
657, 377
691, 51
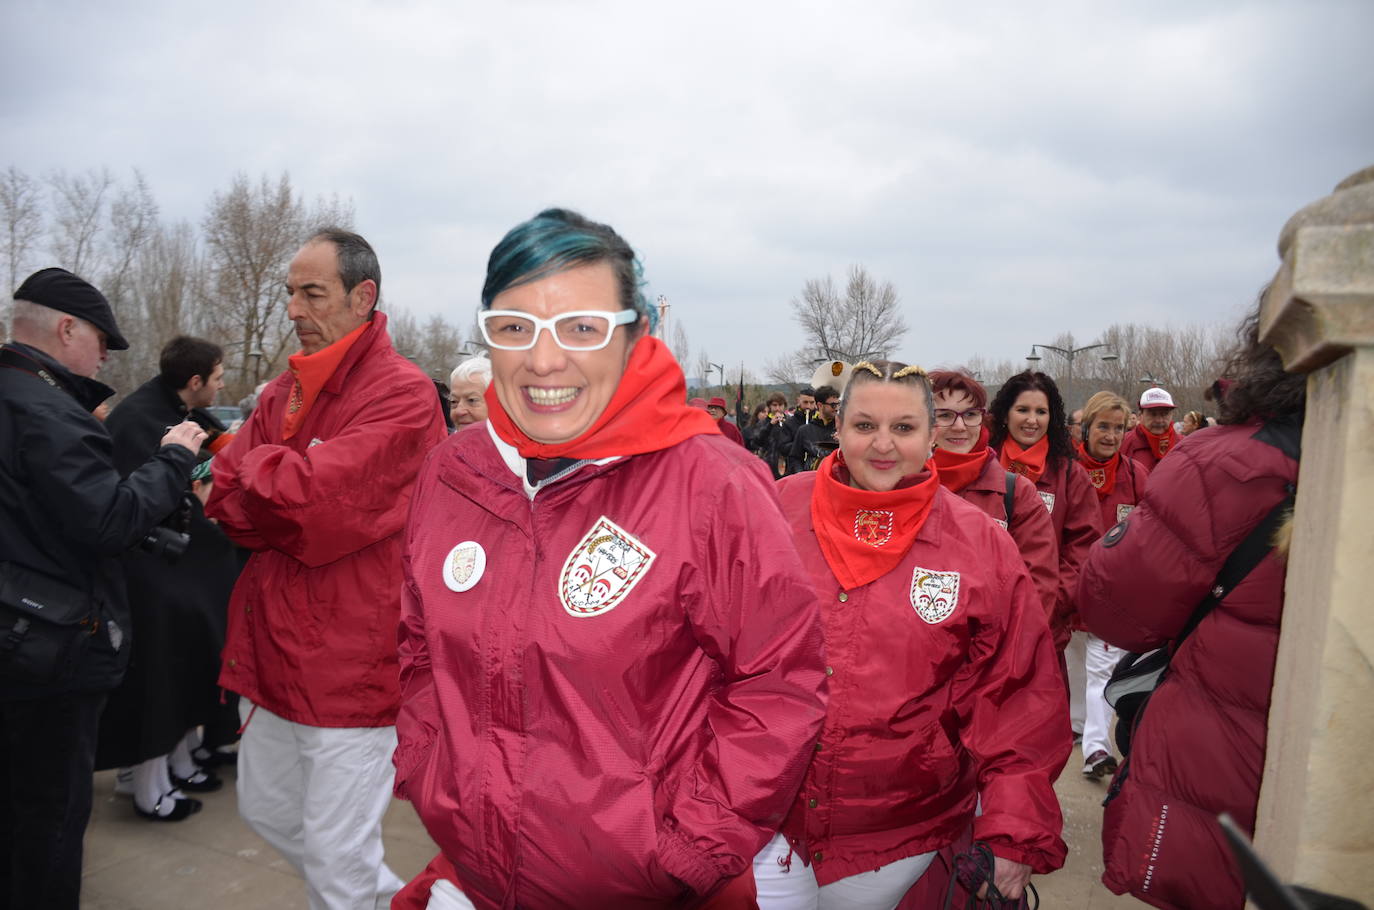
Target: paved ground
212, 861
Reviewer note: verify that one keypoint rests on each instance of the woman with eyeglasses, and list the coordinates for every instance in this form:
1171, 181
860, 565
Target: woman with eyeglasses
972, 470
943, 686
611, 667
1031, 435
1119, 483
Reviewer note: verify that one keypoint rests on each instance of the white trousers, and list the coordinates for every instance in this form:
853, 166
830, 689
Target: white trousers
1099, 662
1074, 657
795, 888
444, 895
317, 794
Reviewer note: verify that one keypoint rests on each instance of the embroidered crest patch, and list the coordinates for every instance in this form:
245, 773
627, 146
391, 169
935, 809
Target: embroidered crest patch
464, 566
1098, 476
605, 565
873, 527
934, 594
1001, 522
1048, 500
1122, 510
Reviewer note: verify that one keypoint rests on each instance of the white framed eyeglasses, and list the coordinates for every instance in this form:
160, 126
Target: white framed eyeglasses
581, 330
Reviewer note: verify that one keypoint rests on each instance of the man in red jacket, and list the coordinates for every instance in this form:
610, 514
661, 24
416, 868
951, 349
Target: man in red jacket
317, 484
1154, 436
716, 408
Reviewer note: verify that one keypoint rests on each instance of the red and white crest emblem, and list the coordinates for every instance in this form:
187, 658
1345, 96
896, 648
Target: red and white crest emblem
1048, 500
873, 526
1098, 476
605, 566
464, 566
934, 594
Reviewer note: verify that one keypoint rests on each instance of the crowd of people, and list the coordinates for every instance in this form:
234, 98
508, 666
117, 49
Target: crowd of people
616, 650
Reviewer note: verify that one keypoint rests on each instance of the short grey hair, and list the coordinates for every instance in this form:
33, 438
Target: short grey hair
357, 259
30, 320
474, 369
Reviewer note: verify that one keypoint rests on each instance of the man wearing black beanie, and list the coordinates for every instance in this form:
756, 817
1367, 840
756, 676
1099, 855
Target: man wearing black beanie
65, 516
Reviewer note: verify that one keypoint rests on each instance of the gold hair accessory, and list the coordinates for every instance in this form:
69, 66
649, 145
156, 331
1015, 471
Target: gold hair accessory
865, 365
912, 370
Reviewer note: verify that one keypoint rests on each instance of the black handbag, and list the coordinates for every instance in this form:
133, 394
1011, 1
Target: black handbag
45, 625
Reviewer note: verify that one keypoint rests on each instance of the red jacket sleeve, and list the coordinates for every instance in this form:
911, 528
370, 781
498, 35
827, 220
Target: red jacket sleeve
225, 505
415, 727
357, 484
1082, 528
755, 615
1014, 721
1033, 532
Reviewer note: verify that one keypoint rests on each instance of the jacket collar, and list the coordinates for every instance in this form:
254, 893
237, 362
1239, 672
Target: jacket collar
89, 393
517, 464
375, 337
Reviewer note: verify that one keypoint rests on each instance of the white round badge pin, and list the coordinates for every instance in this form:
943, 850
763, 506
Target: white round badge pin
464, 565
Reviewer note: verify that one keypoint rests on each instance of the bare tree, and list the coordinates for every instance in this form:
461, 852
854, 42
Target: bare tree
440, 347
78, 206
251, 232
991, 373
863, 323
789, 369
21, 224
132, 223
703, 369
682, 350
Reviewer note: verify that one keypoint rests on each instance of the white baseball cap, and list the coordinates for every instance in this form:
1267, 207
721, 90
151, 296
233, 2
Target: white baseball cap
1156, 398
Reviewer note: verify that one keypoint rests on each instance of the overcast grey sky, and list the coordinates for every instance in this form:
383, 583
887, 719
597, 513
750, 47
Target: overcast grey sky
1015, 169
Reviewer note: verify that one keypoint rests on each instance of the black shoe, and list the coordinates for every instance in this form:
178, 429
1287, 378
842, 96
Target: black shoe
183, 808
202, 781
213, 758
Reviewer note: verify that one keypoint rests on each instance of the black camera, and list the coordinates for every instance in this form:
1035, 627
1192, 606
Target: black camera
169, 540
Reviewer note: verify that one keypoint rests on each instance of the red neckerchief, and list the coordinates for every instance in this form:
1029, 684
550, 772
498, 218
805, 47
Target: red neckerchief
311, 372
1101, 473
1159, 445
864, 534
957, 470
647, 413
1029, 462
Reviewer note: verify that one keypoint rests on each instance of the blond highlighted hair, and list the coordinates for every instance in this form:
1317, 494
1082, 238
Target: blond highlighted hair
866, 372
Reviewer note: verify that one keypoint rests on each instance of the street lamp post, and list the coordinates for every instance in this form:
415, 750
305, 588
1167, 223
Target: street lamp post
720, 368
1069, 354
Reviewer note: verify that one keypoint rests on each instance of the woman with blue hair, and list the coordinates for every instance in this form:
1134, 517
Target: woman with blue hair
612, 676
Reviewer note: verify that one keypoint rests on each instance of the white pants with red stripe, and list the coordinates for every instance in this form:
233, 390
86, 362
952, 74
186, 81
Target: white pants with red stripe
317, 794
1099, 662
784, 886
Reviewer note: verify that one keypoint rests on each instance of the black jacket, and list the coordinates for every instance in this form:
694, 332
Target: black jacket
64, 511
177, 608
814, 440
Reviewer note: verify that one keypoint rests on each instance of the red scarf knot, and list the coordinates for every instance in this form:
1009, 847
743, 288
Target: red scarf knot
864, 534
647, 413
1027, 462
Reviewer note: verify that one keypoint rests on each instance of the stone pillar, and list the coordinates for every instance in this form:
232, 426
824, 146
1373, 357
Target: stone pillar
1316, 809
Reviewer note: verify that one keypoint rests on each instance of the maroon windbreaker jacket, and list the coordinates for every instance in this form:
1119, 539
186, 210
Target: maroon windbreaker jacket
613, 704
944, 686
1199, 747
1031, 526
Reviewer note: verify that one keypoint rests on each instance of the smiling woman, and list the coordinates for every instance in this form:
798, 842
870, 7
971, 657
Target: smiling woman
1031, 434
944, 687
606, 644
